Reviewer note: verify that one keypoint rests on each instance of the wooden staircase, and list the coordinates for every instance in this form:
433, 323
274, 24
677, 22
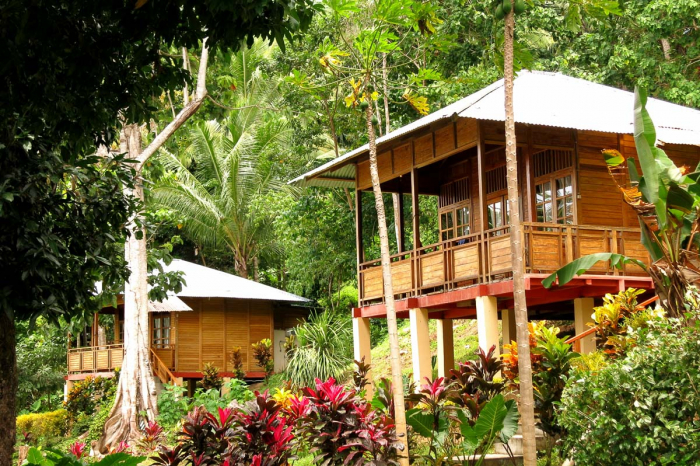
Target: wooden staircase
161, 370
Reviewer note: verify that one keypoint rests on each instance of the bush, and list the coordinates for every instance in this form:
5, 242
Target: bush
210, 377
642, 408
87, 395
43, 425
237, 362
263, 354
324, 350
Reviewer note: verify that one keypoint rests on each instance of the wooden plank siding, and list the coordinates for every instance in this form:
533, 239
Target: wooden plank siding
216, 326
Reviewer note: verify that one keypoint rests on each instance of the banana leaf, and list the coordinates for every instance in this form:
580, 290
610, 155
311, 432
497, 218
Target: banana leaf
585, 263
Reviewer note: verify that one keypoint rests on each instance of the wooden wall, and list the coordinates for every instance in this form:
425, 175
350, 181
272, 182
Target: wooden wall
215, 326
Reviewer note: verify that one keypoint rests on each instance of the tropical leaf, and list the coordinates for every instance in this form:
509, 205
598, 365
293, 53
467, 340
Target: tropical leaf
120, 459
342, 8
419, 103
583, 264
510, 423
421, 422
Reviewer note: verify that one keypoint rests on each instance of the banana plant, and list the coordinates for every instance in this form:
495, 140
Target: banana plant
666, 199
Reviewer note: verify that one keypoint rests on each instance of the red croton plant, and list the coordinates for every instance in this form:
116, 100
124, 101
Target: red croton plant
331, 422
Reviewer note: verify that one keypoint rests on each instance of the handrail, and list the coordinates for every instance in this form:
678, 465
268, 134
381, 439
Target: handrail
592, 330
84, 349
159, 366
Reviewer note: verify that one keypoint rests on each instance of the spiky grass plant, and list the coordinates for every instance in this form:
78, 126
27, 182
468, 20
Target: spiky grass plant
324, 350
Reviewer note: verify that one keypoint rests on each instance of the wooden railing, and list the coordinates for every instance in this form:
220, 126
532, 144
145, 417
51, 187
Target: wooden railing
161, 370
95, 358
484, 258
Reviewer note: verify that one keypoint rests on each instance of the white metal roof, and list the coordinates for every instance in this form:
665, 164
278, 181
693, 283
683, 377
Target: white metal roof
540, 98
203, 282
169, 304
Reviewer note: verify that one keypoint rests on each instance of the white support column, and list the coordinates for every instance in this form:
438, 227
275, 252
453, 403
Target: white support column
487, 322
363, 348
583, 310
508, 330
445, 347
420, 346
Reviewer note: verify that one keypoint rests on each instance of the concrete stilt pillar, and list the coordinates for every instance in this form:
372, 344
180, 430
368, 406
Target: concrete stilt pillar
508, 330
363, 347
67, 387
420, 346
445, 347
583, 310
487, 322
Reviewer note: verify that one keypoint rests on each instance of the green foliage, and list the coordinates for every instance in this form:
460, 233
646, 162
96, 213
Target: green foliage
97, 422
641, 409
324, 349
41, 366
549, 377
37, 457
43, 426
172, 405
219, 181
87, 395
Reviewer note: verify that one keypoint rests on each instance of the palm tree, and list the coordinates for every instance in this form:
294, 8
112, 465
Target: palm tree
219, 181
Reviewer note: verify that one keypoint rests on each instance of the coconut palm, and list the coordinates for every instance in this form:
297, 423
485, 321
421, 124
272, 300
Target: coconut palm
219, 181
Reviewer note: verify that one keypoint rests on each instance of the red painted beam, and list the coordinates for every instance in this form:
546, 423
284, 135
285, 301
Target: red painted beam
85, 375
198, 375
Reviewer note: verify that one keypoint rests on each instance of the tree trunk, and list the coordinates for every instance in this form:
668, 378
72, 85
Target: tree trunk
527, 409
136, 391
8, 386
396, 374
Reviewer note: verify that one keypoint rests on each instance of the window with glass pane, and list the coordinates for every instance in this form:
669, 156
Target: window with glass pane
161, 332
495, 214
565, 200
543, 202
447, 225
462, 221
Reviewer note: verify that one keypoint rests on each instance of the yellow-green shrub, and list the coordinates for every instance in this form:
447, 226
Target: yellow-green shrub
46, 425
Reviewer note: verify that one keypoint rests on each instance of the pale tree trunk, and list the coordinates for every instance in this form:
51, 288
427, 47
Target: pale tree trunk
527, 409
395, 355
666, 47
136, 392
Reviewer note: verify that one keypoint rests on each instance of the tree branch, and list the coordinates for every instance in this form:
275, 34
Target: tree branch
184, 114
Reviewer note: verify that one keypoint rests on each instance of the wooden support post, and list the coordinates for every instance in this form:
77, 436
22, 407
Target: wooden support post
363, 347
445, 347
415, 209
483, 221
359, 245
508, 330
402, 227
487, 322
415, 214
583, 310
420, 346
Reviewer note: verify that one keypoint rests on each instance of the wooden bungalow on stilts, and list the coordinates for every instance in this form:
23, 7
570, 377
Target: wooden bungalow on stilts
214, 313
570, 208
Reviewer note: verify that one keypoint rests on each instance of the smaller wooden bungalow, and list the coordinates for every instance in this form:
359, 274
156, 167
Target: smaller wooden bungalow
214, 313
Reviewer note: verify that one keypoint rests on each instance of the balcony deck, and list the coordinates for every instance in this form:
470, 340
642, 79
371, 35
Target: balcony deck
486, 259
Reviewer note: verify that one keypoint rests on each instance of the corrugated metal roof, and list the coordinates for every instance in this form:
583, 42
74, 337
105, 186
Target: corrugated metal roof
540, 98
203, 282
170, 304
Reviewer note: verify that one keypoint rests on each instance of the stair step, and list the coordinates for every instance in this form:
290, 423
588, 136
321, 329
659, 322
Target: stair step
516, 444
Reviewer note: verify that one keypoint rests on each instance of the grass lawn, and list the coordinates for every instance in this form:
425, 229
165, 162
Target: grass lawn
465, 341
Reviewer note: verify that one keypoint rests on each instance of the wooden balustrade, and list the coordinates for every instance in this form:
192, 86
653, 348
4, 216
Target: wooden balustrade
483, 258
161, 369
95, 358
